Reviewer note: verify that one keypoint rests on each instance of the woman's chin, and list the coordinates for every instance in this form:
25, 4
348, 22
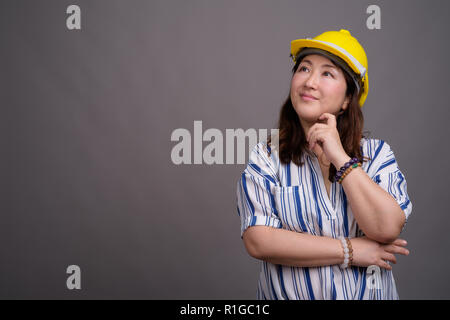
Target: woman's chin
308, 113
310, 118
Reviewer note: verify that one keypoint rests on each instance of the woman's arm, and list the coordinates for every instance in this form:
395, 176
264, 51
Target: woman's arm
280, 246
378, 214
289, 248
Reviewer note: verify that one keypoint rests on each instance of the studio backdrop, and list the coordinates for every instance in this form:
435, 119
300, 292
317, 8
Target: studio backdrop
121, 122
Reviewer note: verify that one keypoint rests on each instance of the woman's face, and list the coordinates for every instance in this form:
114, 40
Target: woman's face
318, 77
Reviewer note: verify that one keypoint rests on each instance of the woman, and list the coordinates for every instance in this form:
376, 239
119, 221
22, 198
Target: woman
323, 208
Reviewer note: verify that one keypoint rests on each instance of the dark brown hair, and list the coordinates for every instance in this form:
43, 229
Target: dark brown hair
292, 138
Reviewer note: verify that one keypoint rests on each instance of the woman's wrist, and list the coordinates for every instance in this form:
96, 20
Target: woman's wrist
338, 163
341, 252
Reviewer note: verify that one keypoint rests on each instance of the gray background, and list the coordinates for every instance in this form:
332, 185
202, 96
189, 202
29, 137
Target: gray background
87, 116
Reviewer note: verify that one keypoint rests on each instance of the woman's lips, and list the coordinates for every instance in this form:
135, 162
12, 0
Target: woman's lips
307, 97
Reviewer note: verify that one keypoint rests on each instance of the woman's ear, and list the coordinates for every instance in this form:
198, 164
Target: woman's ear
344, 105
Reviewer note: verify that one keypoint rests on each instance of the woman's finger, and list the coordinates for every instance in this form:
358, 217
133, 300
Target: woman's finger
329, 118
312, 140
313, 128
396, 249
400, 242
389, 257
315, 135
384, 264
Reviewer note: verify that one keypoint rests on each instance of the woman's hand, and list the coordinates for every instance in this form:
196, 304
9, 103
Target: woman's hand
326, 137
367, 252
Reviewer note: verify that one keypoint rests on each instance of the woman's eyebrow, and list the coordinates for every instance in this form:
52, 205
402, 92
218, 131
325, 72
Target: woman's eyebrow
324, 65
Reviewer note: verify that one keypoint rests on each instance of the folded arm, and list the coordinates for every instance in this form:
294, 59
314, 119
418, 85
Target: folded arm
289, 248
280, 246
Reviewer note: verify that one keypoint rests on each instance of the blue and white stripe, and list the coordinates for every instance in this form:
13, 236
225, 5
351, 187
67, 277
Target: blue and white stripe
295, 198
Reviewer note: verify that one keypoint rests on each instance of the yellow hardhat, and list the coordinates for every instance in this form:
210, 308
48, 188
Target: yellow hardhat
343, 45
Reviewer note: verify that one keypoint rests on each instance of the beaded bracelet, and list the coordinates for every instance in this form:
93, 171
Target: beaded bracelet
348, 252
344, 168
347, 171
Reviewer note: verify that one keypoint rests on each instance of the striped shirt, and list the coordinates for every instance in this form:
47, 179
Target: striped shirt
295, 198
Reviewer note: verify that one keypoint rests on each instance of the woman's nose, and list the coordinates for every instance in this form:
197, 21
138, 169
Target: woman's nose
312, 80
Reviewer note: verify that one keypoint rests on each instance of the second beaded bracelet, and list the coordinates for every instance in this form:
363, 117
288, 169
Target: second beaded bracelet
346, 172
348, 252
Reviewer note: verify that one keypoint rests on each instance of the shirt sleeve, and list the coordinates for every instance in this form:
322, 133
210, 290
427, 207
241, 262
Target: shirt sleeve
385, 172
255, 198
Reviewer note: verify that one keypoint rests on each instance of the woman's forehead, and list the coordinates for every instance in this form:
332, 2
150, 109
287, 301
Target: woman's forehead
318, 59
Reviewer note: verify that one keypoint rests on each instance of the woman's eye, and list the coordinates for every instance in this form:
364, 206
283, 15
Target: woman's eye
326, 72
302, 68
